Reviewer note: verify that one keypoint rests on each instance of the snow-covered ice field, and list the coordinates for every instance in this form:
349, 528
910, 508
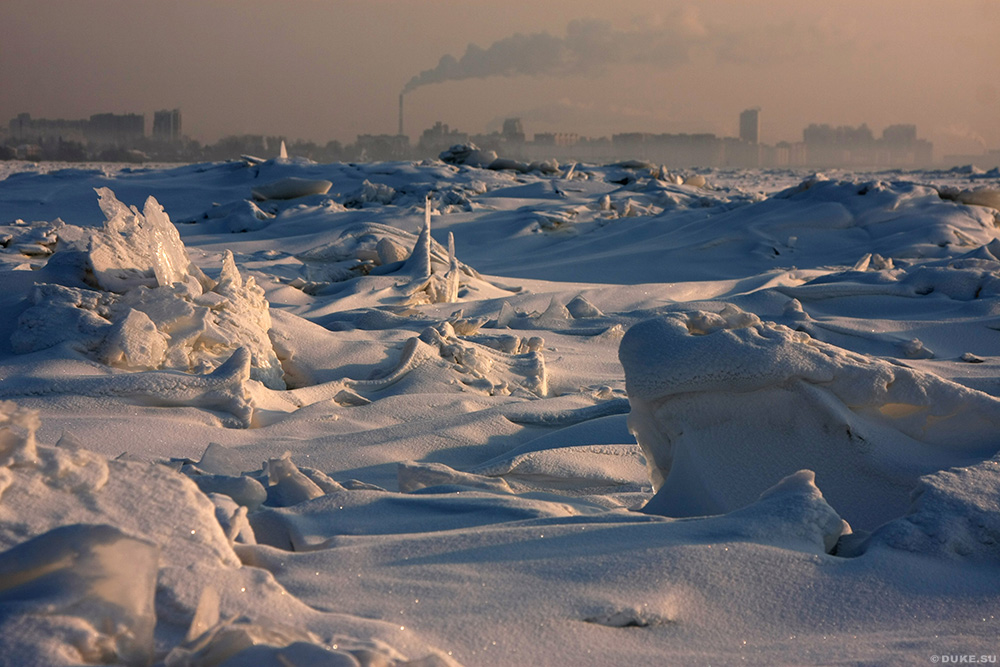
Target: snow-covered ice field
270, 412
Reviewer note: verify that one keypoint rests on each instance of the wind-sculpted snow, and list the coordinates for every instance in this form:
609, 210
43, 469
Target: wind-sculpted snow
955, 514
224, 389
723, 404
437, 369
110, 562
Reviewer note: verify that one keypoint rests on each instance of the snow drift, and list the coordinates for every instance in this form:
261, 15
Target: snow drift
724, 404
436, 463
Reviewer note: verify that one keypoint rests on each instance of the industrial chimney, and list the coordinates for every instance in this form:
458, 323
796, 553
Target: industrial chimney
401, 114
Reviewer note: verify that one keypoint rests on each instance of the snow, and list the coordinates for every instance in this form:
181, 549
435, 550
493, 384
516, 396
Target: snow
721, 403
290, 187
473, 411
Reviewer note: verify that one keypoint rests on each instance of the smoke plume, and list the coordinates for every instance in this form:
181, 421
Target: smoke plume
588, 48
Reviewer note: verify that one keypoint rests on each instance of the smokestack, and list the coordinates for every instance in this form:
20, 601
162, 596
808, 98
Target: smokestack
401, 114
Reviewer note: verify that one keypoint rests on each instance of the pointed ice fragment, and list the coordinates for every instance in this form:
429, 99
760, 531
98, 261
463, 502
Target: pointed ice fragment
170, 260
136, 248
451, 287
230, 276
419, 263
505, 316
206, 615
287, 485
555, 312
580, 308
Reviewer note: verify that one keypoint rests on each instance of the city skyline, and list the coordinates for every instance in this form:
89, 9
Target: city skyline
752, 132
124, 136
171, 120
315, 71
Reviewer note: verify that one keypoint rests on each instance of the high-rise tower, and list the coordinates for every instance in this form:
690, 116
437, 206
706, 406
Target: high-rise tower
400, 114
750, 125
167, 125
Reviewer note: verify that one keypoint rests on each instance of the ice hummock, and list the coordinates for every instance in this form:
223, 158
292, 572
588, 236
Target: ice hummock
724, 405
152, 307
136, 248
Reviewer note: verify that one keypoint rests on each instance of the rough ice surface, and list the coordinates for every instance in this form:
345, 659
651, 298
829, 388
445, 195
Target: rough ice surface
107, 562
954, 515
435, 464
134, 342
723, 405
155, 309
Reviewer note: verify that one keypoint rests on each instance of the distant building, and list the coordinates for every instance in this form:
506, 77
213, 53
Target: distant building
786, 154
383, 147
899, 146
828, 146
900, 135
123, 130
556, 139
675, 150
743, 154
167, 126
106, 129
438, 138
750, 125
27, 130
513, 131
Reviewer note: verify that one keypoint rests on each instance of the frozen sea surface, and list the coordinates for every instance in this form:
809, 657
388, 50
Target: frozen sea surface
282, 413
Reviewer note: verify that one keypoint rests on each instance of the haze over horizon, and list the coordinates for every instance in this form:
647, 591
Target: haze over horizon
319, 71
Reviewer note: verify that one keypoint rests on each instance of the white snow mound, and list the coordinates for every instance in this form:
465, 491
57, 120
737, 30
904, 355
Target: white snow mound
723, 405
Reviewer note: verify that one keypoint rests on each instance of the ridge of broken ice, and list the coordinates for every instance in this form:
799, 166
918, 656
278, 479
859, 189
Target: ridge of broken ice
153, 308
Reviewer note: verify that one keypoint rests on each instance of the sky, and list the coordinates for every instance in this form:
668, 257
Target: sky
321, 70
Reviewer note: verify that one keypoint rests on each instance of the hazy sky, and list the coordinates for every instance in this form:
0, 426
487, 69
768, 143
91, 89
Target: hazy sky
333, 69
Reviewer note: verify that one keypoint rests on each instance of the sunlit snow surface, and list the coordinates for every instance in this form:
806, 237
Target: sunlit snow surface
280, 413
